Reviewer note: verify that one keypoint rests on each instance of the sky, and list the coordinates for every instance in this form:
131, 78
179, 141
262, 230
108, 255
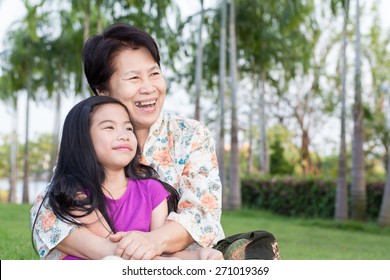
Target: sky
41, 115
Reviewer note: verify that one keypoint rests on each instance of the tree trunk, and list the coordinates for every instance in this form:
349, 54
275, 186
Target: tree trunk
305, 157
384, 214
222, 94
263, 151
341, 203
358, 184
55, 136
86, 33
26, 196
249, 165
198, 66
307, 163
235, 184
13, 179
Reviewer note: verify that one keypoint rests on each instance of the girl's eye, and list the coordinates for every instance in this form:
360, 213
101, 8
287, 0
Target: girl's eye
155, 73
134, 78
129, 129
109, 127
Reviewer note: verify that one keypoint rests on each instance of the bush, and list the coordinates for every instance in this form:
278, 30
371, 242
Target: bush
311, 197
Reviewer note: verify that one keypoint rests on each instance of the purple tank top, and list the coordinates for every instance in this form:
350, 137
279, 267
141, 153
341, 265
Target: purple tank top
133, 211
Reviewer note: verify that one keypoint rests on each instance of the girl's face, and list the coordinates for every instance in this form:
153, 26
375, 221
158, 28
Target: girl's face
138, 82
112, 136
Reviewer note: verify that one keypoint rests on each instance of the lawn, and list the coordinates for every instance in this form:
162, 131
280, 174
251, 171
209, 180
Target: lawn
298, 239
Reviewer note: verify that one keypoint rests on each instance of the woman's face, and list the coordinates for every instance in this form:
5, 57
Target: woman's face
112, 136
138, 82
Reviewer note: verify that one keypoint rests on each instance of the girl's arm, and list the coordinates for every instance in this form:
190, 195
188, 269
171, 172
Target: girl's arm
159, 214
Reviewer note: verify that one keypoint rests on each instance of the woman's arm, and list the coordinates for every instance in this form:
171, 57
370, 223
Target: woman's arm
47, 230
95, 222
200, 205
85, 244
198, 254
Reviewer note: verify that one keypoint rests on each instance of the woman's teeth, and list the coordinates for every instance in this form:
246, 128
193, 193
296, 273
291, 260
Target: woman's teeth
145, 104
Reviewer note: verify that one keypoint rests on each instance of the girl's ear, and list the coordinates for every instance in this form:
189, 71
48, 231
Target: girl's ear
102, 93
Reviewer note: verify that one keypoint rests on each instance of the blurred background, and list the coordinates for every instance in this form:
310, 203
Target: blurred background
296, 93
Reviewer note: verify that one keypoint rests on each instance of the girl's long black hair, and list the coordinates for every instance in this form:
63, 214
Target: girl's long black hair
78, 170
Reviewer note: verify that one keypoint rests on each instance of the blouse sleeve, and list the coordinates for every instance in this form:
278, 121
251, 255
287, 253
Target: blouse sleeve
200, 189
47, 230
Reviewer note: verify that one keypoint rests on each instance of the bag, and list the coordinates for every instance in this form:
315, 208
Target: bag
259, 244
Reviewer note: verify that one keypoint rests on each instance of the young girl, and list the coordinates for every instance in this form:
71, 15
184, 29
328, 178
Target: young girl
99, 183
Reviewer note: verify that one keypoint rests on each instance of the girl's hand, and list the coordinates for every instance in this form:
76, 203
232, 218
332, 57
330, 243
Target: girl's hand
117, 236
135, 245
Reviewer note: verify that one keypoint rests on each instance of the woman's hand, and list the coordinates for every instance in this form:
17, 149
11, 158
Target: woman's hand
135, 245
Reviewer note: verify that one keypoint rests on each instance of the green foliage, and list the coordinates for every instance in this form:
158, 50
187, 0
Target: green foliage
39, 155
278, 162
329, 166
308, 197
4, 161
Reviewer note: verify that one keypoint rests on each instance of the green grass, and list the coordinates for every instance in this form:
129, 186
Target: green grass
298, 239
15, 234
301, 239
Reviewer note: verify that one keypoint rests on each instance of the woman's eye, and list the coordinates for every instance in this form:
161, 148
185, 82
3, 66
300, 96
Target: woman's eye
129, 129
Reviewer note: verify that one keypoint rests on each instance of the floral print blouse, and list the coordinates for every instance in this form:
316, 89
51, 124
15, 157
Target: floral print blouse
183, 153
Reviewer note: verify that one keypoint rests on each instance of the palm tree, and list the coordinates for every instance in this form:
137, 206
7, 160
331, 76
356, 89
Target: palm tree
280, 25
384, 214
222, 93
252, 112
341, 203
23, 42
7, 94
358, 184
263, 146
63, 69
25, 58
235, 184
199, 66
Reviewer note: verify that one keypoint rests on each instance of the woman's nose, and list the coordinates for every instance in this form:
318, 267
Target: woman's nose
147, 88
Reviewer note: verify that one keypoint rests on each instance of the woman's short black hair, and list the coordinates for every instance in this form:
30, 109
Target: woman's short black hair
100, 51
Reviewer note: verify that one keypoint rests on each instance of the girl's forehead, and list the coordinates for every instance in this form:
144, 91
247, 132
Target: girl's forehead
112, 110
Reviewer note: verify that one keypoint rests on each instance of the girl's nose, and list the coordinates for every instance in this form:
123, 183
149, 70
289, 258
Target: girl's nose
124, 136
